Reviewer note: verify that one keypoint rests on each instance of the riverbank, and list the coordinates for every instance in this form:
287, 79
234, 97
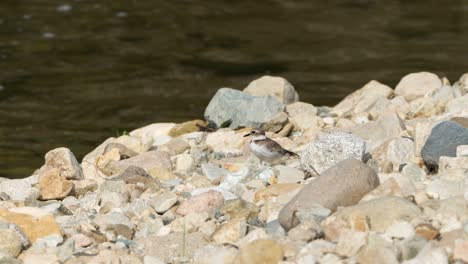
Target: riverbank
393, 184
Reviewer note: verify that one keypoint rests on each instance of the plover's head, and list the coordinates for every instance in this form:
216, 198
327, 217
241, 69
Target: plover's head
255, 133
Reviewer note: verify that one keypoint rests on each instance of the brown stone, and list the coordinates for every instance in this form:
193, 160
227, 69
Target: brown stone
427, 231
53, 186
265, 251
186, 127
33, 227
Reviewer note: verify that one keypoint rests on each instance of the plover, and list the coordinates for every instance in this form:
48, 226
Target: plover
265, 148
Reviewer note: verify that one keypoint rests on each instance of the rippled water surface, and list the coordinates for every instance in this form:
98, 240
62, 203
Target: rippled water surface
73, 73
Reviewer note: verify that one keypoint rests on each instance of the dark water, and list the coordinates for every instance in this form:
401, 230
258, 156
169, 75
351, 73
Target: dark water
75, 72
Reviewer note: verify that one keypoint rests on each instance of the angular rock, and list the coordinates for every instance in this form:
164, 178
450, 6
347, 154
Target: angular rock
164, 202
342, 185
442, 189
400, 230
273, 86
54, 186
20, 189
260, 251
350, 242
63, 160
378, 250
124, 152
186, 127
230, 231
234, 109
33, 226
154, 134
226, 141
204, 202
147, 161
10, 243
457, 105
429, 255
416, 85
287, 174
329, 149
303, 115
276, 123
374, 215
443, 141
427, 231
363, 99
460, 251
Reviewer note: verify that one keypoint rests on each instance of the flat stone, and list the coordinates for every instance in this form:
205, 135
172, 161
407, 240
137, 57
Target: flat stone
154, 134
164, 202
213, 172
123, 151
442, 189
400, 230
204, 202
427, 231
443, 141
54, 186
230, 231
374, 215
226, 141
261, 251
33, 226
186, 127
21, 189
276, 123
287, 174
460, 252
234, 108
303, 115
329, 149
416, 85
148, 161
342, 185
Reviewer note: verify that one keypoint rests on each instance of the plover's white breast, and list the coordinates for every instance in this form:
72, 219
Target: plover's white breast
264, 153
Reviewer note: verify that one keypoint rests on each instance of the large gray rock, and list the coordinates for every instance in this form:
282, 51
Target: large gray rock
329, 149
342, 185
443, 141
237, 108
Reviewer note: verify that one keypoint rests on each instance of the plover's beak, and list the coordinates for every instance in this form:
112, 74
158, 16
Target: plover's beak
246, 135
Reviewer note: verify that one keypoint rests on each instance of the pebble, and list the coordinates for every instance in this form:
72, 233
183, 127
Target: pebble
164, 202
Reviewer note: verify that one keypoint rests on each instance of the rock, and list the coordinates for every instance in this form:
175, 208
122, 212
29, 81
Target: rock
20, 189
388, 125
462, 151
189, 223
429, 255
273, 86
442, 189
457, 105
400, 150
276, 123
132, 142
342, 185
350, 242
169, 247
164, 202
276, 190
63, 160
303, 115
363, 99
34, 226
287, 174
377, 250
54, 186
148, 161
204, 202
213, 172
416, 85
305, 231
124, 152
260, 251
374, 215
329, 149
226, 141
186, 127
154, 134
314, 250
443, 141
400, 230
213, 254
453, 168
234, 109
10, 243
230, 231
427, 231
152, 260
175, 146
460, 252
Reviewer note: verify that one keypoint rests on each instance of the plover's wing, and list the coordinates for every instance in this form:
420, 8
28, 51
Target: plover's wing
272, 146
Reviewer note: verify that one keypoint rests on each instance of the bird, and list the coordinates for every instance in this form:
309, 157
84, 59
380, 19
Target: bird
265, 148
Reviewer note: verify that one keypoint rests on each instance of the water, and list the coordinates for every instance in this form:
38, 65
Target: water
73, 73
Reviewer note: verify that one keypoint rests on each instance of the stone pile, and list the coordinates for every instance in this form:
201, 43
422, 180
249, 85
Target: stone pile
382, 178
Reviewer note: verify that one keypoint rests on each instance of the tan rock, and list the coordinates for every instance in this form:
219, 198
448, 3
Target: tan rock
54, 186
350, 242
427, 231
161, 174
204, 202
264, 251
226, 141
63, 160
273, 86
276, 190
416, 85
460, 252
231, 231
186, 127
10, 243
303, 116
342, 185
33, 227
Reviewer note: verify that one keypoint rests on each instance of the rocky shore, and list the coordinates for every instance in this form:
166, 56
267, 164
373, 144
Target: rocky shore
382, 178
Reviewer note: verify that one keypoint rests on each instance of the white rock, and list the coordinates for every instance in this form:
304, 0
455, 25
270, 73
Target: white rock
400, 150
63, 160
429, 255
152, 260
226, 141
287, 174
443, 189
21, 189
400, 230
164, 202
184, 163
350, 242
416, 85
152, 133
330, 149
